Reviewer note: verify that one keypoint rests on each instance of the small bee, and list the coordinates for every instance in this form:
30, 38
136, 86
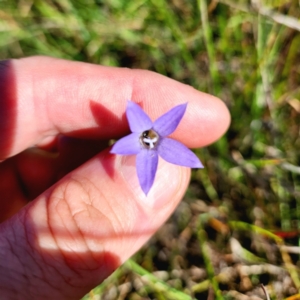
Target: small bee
149, 139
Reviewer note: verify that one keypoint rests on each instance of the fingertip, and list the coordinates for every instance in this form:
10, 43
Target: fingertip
207, 118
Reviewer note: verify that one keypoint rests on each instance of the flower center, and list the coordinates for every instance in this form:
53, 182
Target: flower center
149, 139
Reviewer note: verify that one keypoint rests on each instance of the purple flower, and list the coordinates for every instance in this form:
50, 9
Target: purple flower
148, 140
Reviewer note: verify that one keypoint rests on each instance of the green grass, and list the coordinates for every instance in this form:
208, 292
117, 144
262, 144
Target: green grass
252, 62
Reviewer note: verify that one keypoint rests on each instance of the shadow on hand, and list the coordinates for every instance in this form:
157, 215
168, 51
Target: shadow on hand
8, 111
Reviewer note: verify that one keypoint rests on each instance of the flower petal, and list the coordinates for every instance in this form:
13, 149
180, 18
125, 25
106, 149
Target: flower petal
146, 166
169, 121
176, 153
138, 120
127, 145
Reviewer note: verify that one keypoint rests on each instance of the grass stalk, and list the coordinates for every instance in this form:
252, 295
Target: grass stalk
155, 283
207, 32
208, 264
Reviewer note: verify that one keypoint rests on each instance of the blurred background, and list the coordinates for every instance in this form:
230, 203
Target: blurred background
238, 226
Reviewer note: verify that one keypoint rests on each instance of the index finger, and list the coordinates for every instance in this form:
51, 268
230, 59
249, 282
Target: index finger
44, 96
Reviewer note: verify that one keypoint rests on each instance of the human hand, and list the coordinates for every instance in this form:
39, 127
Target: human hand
85, 212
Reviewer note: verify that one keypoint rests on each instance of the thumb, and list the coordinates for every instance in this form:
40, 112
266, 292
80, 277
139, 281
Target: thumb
80, 230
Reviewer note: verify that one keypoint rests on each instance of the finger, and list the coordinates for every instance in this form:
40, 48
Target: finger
80, 230
43, 97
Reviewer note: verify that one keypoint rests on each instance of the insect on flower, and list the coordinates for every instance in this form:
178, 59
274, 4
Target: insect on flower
149, 140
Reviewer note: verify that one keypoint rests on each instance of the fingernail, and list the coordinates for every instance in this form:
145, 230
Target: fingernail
167, 181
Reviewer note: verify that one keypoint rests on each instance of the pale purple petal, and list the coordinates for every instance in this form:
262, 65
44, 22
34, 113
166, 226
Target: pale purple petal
138, 120
176, 153
146, 166
127, 145
169, 121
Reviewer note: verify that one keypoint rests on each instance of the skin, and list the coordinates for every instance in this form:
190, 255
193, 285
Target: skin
70, 211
